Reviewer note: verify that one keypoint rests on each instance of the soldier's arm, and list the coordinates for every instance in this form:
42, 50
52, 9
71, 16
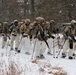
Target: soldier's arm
30, 33
50, 34
66, 32
10, 29
22, 29
3, 30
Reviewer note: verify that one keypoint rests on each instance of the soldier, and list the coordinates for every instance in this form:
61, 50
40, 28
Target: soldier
4, 33
15, 34
69, 34
51, 30
25, 41
41, 36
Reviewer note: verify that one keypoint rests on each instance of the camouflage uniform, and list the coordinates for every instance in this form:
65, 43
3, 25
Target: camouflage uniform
41, 35
25, 41
15, 35
1, 27
51, 29
4, 33
69, 34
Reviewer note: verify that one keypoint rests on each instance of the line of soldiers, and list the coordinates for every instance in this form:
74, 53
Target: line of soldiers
40, 33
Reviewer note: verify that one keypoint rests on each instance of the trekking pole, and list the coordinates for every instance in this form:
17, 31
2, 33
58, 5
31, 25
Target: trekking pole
53, 50
58, 43
60, 49
7, 45
20, 41
7, 42
34, 48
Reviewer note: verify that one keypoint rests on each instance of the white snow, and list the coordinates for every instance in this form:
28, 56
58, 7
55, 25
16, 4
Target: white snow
23, 64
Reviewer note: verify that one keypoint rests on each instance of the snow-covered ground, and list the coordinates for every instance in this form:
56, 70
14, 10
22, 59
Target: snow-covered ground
12, 63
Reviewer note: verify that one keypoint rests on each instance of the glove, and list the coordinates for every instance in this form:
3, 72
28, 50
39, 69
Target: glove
22, 33
74, 39
3, 34
69, 37
52, 37
14, 34
48, 36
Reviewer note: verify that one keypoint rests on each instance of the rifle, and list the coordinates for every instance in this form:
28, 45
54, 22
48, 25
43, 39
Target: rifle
42, 35
72, 38
45, 41
66, 24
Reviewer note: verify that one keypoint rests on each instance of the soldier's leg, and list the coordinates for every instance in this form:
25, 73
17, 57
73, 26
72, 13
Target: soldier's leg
36, 49
21, 45
17, 41
50, 43
27, 45
70, 53
65, 48
74, 48
32, 43
42, 49
12, 41
4, 40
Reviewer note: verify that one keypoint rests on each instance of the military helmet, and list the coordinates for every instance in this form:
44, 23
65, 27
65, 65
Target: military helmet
27, 21
15, 21
52, 21
73, 22
48, 23
39, 19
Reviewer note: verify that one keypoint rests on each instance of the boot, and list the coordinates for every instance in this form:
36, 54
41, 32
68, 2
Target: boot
70, 57
63, 55
18, 51
74, 54
27, 53
38, 57
42, 56
11, 49
49, 53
